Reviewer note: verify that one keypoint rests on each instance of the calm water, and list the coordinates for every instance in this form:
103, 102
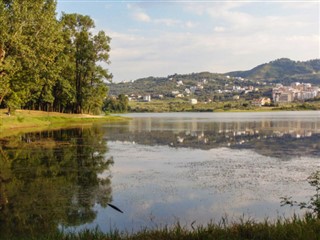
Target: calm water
158, 169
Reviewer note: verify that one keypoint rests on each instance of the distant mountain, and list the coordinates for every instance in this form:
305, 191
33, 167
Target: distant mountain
284, 71
208, 84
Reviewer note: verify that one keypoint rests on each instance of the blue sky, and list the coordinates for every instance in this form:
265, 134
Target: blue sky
160, 38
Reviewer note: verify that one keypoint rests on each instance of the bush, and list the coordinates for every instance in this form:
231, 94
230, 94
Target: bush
314, 203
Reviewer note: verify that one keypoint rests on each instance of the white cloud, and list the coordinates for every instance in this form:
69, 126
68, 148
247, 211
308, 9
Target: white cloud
190, 24
134, 56
220, 38
138, 13
233, 16
130, 6
219, 29
215, 36
108, 6
167, 22
143, 17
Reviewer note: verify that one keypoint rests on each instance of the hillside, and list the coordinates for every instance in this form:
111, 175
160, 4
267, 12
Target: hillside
224, 86
284, 71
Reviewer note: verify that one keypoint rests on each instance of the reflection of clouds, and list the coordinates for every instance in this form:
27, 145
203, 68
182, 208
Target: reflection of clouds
193, 184
144, 206
247, 172
267, 159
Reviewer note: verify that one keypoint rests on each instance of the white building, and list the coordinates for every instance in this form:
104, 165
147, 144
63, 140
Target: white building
193, 89
193, 101
179, 83
147, 98
297, 91
180, 95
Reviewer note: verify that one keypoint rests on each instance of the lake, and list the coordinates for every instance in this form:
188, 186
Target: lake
158, 169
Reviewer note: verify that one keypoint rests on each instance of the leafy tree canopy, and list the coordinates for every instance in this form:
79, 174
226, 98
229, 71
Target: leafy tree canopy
50, 64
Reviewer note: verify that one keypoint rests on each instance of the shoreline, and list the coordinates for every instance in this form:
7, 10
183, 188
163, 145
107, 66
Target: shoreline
30, 120
230, 106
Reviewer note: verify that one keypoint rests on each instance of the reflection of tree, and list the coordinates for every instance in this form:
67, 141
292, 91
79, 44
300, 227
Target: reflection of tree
52, 178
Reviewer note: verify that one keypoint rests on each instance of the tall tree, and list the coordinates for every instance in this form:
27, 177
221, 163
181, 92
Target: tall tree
85, 52
4, 66
4, 81
32, 44
47, 64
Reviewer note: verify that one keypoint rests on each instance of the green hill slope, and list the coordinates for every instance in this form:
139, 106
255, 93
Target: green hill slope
284, 71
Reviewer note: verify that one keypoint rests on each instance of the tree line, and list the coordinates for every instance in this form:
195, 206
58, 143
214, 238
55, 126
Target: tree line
51, 64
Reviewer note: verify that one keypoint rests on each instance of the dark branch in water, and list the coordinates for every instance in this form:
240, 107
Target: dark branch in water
114, 207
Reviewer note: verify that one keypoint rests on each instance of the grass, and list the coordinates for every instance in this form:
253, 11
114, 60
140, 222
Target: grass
180, 105
231, 106
297, 228
26, 120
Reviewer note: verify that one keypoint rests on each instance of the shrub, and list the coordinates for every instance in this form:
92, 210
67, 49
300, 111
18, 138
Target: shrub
314, 203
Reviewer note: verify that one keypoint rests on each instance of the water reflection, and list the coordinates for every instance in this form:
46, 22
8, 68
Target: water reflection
200, 167
168, 167
49, 179
274, 137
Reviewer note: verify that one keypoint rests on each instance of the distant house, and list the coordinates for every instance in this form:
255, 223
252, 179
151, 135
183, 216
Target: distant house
193, 101
157, 96
147, 98
187, 90
179, 83
180, 95
261, 102
236, 97
193, 89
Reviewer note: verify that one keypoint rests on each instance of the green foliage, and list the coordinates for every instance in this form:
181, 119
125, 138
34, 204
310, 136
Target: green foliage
285, 71
84, 50
119, 104
314, 203
47, 64
13, 102
311, 105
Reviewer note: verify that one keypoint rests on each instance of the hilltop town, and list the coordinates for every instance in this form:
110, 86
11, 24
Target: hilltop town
278, 82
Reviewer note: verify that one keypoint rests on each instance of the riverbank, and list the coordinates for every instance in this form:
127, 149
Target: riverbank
26, 120
297, 228
179, 105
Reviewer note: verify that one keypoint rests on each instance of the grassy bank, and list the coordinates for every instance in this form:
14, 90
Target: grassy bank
179, 105
282, 229
26, 120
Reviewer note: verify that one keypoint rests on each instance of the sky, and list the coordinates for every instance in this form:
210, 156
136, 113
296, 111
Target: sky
160, 38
